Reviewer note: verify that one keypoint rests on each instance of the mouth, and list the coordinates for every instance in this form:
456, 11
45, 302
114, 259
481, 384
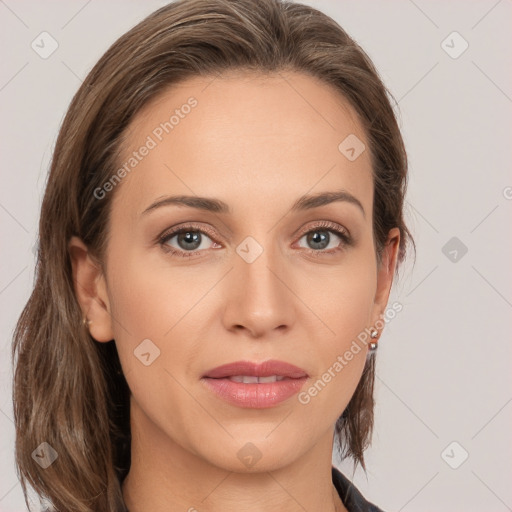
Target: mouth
255, 385
270, 368
253, 379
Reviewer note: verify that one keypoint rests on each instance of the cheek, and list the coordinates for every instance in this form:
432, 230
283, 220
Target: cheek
149, 305
154, 309
148, 295
343, 300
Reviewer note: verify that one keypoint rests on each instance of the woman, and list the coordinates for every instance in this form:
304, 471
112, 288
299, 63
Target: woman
218, 239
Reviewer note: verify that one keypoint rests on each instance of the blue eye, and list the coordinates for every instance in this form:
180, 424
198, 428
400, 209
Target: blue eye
189, 240
320, 240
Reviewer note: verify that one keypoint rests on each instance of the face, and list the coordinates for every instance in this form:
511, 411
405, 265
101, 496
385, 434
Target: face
266, 271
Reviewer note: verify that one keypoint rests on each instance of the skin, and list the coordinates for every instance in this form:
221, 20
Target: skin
258, 144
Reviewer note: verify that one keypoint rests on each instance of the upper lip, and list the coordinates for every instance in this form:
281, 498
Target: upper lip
264, 369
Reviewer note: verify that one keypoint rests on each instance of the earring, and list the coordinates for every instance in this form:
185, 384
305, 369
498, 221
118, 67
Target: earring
373, 335
86, 322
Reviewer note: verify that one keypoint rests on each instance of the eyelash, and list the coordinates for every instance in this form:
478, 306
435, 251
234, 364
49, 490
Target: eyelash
331, 227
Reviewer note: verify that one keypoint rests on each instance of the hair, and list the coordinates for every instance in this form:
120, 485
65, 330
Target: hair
69, 390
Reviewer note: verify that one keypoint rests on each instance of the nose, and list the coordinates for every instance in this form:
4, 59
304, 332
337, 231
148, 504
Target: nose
259, 297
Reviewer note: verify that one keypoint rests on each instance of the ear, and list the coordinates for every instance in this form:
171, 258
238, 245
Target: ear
385, 273
91, 290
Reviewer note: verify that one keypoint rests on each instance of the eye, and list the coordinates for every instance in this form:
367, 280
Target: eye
186, 240
190, 240
326, 237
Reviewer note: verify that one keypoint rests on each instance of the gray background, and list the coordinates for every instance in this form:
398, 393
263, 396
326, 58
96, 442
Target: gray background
443, 371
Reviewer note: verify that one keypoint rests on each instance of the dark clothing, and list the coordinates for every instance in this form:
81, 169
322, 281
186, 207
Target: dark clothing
350, 496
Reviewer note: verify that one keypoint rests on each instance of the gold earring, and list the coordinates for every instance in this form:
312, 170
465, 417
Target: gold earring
86, 322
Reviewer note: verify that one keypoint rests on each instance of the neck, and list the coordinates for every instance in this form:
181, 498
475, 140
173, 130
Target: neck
164, 476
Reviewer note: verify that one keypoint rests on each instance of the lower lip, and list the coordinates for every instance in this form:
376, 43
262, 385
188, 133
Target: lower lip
255, 396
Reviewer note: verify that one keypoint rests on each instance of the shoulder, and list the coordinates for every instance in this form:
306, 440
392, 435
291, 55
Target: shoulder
353, 500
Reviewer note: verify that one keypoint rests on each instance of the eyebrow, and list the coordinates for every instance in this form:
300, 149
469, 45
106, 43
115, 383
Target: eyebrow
323, 198
306, 202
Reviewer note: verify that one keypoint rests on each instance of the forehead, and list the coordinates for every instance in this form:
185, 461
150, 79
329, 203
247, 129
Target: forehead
260, 137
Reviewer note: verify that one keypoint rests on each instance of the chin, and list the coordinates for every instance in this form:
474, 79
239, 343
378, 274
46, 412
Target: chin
256, 453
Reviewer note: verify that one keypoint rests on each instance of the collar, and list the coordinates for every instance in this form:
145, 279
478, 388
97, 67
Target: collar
353, 500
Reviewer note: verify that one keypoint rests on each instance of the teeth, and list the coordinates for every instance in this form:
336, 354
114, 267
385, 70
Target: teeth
270, 378
251, 379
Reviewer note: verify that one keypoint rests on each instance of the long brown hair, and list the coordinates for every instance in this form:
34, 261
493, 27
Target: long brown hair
69, 391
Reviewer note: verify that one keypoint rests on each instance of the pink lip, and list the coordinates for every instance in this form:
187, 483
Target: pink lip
264, 369
255, 395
